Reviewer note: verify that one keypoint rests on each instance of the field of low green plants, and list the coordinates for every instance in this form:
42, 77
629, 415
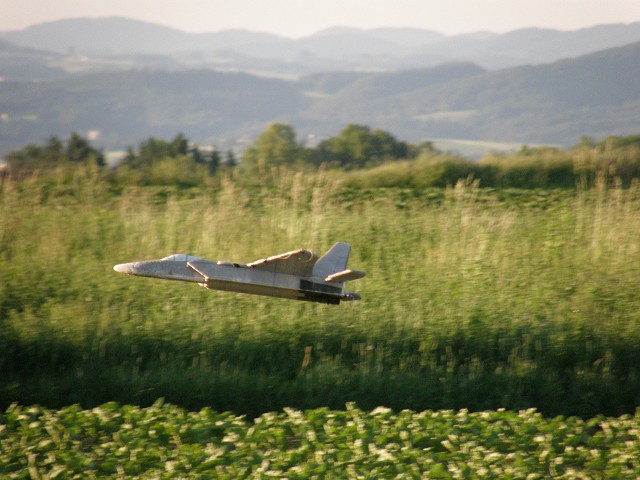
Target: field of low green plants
165, 441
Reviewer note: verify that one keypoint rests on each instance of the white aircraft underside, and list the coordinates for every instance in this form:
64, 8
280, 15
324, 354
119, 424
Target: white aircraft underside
299, 274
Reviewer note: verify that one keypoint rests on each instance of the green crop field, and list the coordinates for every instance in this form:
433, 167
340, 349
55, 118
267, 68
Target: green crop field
164, 441
475, 299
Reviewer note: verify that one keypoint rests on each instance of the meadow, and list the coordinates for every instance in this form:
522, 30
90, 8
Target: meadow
497, 336
475, 298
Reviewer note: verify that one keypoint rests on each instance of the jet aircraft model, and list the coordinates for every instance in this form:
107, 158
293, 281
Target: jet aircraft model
299, 274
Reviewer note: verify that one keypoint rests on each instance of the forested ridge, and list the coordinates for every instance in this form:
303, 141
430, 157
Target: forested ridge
555, 103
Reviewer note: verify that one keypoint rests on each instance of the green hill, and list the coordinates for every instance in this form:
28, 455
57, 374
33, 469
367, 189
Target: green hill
595, 95
127, 106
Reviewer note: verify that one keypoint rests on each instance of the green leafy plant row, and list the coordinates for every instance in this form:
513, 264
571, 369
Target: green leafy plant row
165, 441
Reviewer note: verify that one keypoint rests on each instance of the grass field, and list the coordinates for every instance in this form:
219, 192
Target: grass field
475, 298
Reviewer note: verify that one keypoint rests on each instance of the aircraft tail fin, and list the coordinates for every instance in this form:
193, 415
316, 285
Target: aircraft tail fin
335, 260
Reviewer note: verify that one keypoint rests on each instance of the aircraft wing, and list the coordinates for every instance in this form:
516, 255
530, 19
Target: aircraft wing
345, 276
297, 262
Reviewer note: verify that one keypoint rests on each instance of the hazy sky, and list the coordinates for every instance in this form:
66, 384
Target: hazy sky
296, 18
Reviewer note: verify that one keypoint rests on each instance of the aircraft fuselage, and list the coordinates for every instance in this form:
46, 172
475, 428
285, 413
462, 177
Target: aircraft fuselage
235, 277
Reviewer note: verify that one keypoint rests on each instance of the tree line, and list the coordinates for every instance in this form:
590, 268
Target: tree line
55, 152
356, 146
369, 158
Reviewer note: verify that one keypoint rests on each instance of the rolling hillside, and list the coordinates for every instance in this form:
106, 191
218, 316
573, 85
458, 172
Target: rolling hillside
22, 63
595, 95
126, 107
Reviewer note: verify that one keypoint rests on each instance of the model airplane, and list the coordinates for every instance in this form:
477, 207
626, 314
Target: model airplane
299, 274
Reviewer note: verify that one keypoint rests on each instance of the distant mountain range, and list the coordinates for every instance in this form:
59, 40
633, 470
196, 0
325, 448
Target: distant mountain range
121, 42
124, 80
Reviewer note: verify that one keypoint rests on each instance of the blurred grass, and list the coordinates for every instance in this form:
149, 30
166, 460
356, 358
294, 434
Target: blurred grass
474, 298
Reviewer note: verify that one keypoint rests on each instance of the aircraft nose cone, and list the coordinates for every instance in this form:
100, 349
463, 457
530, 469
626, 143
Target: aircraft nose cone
123, 267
